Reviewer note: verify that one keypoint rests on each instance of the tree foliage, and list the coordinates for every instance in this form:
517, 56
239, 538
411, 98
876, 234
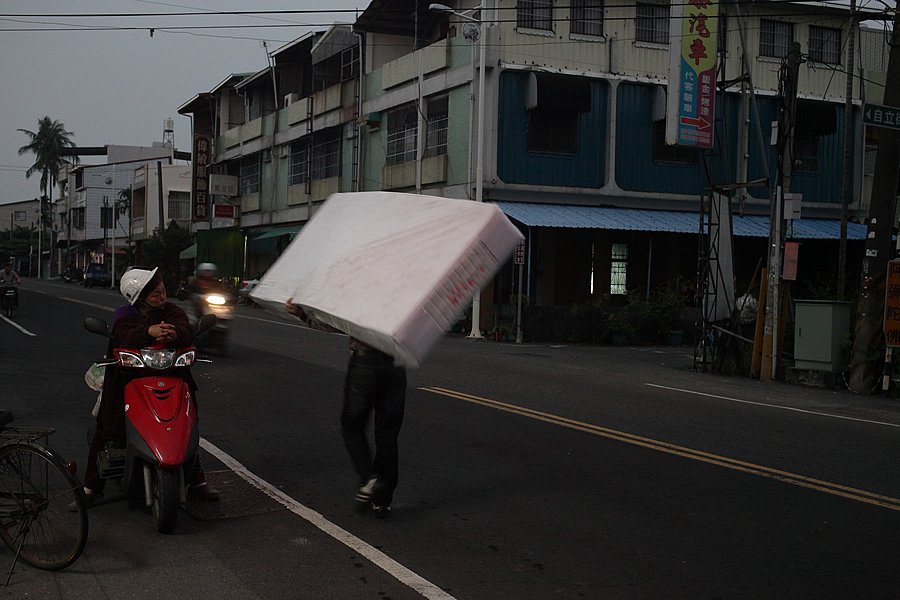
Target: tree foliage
47, 144
162, 250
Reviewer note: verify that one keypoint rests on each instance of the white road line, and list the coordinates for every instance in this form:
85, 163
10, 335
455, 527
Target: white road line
87, 303
800, 410
388, 564
17, 326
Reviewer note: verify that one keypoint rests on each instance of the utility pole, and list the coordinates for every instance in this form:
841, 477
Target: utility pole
785, 148
868, 343
847, 189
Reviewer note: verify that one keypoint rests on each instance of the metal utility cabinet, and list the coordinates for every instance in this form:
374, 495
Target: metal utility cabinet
821, 335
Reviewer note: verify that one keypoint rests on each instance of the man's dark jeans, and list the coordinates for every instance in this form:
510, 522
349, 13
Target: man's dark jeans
374, 383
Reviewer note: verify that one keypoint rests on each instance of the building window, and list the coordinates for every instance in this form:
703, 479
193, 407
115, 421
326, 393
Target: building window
78, 218
535, 14
825, 44
652, 23
179, 206
806, 153
402, 133
350, 63
775, 38
586, 17
250, 174
869, 163
436, 127
298, 172
20, 215
556, 112
663, 152
106, 220
618, 270
326, 154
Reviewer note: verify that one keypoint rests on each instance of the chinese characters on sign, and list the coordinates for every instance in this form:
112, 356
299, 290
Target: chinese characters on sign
691, 102
200, 184
881, 116
892, 305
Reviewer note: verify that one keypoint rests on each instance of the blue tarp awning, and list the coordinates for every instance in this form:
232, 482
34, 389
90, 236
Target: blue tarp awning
668, 221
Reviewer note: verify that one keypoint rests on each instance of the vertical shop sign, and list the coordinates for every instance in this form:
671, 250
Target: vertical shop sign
693, 49
200, 184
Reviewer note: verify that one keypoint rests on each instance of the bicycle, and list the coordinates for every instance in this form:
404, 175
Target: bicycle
36, 492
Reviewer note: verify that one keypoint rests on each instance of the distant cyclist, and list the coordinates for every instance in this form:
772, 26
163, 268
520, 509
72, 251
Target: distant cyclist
9, 278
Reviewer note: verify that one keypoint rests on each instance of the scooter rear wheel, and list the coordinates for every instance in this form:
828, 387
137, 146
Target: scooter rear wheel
165, 499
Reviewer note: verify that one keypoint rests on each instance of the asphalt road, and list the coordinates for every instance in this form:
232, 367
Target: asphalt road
527, 471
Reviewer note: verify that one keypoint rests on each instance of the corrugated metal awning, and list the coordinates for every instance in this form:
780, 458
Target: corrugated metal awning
669, 221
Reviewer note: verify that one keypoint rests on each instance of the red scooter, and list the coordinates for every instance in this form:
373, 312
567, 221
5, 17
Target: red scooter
161, 434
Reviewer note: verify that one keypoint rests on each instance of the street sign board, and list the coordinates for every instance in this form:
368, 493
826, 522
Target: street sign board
892, 305
881, 116
520, 254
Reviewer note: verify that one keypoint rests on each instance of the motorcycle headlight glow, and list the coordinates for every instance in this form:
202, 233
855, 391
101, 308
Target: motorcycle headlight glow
158, 359
217, 299
186, 359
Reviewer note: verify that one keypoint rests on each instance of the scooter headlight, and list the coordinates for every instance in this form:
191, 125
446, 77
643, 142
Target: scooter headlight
158, 359
129, 359
217, 299
185, 359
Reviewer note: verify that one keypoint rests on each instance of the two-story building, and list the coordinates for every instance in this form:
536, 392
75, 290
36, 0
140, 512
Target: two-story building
573, 137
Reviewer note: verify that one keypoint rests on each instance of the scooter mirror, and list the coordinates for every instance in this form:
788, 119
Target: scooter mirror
95, 325
206, 322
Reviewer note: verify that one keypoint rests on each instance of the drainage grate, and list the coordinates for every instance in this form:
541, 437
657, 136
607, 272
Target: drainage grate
237, 499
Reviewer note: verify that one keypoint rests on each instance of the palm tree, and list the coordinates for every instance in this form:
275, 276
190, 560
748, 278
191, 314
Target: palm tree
47, 145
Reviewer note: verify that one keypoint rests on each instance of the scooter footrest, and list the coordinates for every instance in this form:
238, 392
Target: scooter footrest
111, 463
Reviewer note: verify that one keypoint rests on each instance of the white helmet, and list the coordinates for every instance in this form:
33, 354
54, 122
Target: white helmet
206, 267
133, 282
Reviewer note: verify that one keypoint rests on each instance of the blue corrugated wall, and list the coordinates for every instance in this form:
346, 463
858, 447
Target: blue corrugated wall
516, 165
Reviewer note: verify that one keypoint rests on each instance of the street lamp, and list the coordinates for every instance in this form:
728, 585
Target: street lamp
473, 34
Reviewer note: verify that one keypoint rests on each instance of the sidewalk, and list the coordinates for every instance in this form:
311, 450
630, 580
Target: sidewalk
244, 547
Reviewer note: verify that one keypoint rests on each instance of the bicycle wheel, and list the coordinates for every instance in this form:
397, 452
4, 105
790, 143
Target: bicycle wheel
35, 520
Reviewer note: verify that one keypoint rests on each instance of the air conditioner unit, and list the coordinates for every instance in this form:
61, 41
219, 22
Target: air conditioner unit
290, 98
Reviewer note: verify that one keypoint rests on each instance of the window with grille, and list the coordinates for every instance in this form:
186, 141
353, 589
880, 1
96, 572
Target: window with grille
403, 125
250, 174
535, 14
806, 153
586, 17
179, 206
825, 44
326, 154
652, 23
299, 165
618, 270
775, 38
869, 164
436, 127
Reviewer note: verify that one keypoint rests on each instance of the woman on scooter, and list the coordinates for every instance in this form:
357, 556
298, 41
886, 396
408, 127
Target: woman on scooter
147, 319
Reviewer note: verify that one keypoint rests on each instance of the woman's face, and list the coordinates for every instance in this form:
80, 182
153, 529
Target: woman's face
157, 296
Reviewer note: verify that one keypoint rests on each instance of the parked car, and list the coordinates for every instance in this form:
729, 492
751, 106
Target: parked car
96, 274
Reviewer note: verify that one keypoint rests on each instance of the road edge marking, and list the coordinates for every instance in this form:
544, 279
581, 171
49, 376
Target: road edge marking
377, 557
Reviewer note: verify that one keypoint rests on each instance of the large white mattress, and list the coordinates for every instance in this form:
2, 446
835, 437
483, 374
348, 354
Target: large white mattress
393, 270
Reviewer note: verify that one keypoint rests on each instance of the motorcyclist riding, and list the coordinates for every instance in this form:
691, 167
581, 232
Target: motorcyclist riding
9, 278
204, 283
147, 319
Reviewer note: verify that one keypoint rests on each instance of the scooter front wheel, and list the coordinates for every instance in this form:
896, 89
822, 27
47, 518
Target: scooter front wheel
165, 499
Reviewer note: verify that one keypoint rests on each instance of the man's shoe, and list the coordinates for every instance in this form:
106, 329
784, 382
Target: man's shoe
89, 501
365, 493
381, 512
203, 492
